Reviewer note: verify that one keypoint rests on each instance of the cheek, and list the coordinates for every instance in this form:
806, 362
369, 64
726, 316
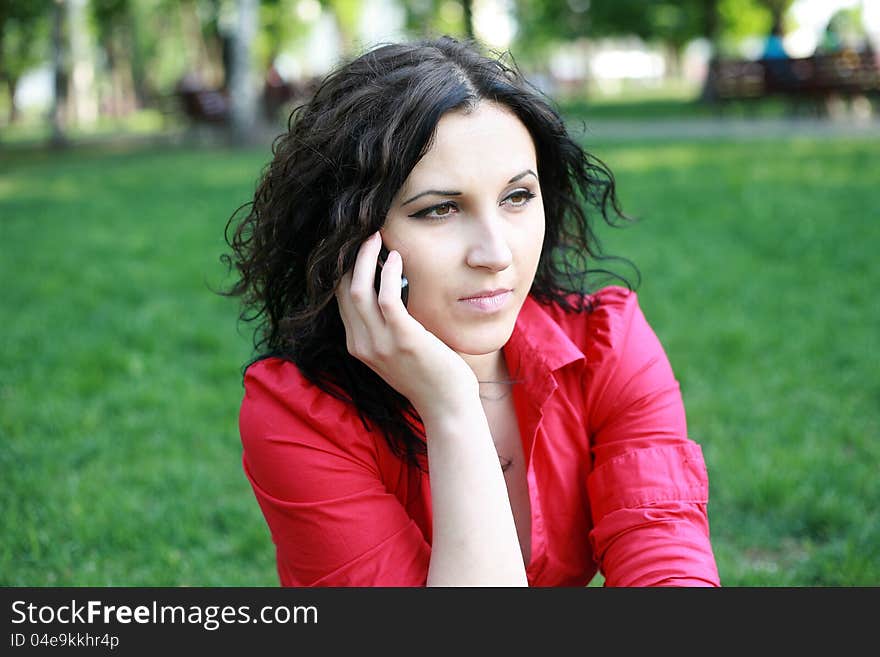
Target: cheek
534, 242
426, 307
423, 265
426, 272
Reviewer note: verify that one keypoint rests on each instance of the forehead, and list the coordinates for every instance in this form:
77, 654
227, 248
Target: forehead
488, 142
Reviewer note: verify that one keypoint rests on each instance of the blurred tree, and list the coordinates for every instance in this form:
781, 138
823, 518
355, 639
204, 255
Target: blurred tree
242, 88
348, 14
777, 9
279, 25
544, 23
468, 15
61, 74
82, 104
115, 34
673, 23
220, 22
432, 17
172, 38
740, 19
24, 32
205, 28
710, 19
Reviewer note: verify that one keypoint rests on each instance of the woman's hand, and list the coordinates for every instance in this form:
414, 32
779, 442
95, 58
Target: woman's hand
380, 332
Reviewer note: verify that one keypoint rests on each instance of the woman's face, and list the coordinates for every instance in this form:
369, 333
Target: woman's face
469, 219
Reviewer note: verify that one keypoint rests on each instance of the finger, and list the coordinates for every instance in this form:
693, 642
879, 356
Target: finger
350, 319
389, 299
363, 294
343, 295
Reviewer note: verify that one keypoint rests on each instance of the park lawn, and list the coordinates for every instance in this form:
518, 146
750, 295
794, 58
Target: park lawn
122, 368
665, 108
673, 102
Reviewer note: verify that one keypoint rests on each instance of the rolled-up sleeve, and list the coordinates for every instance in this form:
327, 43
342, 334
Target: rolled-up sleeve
648, 487
313, 470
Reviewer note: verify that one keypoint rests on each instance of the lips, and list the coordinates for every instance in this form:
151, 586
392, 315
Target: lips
486, 293
488, 301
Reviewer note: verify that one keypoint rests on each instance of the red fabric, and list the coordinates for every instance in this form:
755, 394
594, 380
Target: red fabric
615, 483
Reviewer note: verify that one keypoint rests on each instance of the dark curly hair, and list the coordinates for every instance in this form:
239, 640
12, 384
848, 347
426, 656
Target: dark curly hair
329, 186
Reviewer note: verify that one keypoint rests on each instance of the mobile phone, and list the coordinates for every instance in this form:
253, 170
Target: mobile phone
404, 284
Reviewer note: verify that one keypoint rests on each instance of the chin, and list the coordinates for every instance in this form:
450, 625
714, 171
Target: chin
482, 340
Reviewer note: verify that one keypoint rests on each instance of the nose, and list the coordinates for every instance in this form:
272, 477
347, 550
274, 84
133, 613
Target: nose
489, 246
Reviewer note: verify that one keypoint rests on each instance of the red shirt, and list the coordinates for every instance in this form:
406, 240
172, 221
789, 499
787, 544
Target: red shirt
614, 481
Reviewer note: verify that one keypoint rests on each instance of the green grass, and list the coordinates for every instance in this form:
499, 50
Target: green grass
681, 101
121, 368
118, 405
662, 109
670, 102
758, 263
31, 129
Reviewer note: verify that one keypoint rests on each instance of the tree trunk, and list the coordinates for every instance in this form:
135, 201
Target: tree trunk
711, 30
111, 100
11, 86
138, 74
197, 55
711, 26
60, 65
242, 92
468, 7
83, 104
674, 58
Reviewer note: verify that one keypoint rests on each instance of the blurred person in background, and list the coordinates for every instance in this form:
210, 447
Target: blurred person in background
845, 50
774, 45
437, 399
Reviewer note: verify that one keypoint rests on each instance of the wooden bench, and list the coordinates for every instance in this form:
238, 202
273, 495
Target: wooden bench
816, 79
279, 97
205, 105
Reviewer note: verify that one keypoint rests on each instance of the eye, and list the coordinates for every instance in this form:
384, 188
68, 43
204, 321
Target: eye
520, 197
436, 212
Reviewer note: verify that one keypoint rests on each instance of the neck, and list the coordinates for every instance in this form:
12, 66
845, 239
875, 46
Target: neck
488, 367
492, 374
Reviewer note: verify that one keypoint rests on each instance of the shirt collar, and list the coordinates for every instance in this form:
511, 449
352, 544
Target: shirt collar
538, 339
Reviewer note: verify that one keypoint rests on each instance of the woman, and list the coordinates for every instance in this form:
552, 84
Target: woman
501, 427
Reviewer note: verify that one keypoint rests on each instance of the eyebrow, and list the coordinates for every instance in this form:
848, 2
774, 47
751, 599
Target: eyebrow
440, 192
